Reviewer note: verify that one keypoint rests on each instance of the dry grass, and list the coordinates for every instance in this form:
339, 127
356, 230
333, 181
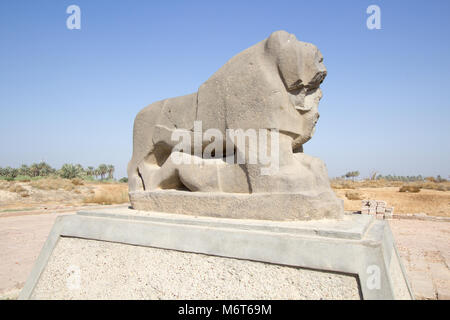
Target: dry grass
53, 184
342, 184
414, 189
381, 183
4, 185
17, 188
109, 194
77, 182
439, 186
431, 202
353, 195
57, 193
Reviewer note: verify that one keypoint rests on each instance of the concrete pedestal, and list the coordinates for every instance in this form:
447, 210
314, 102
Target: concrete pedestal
129, 254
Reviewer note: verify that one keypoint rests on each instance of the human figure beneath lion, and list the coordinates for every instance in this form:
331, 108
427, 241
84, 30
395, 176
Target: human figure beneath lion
272, 85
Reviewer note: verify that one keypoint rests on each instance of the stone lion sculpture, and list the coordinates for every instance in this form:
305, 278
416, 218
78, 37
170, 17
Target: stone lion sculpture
272, 87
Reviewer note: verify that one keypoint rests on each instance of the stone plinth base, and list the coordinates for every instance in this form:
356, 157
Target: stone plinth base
129, 254
265, 206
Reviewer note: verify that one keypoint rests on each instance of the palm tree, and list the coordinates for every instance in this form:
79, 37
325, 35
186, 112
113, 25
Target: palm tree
69, 171
45, 169
110, 171
10, 173
90, 171
80, 169
103, 170
24, 170
34, 170
96, 173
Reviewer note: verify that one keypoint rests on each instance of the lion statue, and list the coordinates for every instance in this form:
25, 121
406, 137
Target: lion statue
272, 86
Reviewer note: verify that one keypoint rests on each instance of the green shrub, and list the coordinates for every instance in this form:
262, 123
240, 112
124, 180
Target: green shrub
69, 171
22, 178
88, 178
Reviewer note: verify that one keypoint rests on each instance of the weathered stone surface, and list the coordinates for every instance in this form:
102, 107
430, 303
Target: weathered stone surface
274, 86
372, 203
381, 209
381, 203
378, 208
266, 206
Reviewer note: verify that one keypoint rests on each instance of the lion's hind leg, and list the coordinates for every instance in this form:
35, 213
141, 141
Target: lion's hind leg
164, 177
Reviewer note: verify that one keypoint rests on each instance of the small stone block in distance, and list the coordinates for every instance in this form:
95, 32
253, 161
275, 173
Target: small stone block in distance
388, 215
381, 209
381, 203
380, 216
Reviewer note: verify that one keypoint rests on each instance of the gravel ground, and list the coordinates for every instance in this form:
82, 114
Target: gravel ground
104, 270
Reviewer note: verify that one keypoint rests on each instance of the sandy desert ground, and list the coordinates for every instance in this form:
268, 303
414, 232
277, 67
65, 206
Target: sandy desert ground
431, 202
56, 194
431, 198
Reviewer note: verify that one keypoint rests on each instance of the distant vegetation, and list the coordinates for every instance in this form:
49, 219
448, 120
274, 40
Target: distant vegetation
351, 174
410, 178
405, 183
392, 177
103, 172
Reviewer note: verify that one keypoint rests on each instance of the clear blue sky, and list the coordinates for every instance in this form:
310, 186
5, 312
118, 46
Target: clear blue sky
72, 95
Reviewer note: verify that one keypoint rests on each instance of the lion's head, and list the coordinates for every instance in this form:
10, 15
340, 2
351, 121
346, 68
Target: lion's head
272, 85
301, 69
